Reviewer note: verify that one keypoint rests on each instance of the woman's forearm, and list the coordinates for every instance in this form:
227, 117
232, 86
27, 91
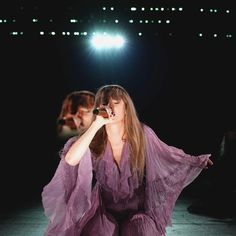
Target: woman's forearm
78, 149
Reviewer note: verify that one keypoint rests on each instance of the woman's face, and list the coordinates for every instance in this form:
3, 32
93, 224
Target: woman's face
118, 107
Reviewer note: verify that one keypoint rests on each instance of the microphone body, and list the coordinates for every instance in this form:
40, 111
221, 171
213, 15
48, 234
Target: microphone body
101, 112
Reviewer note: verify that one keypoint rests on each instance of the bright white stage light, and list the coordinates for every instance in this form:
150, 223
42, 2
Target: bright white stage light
105, 41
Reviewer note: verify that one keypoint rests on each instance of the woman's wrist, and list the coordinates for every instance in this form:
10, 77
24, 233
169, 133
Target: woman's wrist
97, 124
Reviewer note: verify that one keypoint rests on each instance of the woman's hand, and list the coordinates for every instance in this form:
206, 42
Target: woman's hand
105, 117
209, 163
100, 120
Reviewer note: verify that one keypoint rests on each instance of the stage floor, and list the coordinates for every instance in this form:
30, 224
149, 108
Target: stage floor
29, 220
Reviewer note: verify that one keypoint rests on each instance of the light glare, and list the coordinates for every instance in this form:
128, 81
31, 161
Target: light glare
107, 41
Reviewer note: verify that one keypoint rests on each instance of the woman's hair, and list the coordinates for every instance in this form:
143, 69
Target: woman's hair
75, 99
134, 134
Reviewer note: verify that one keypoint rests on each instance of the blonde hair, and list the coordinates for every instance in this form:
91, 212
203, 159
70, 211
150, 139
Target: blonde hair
134, 134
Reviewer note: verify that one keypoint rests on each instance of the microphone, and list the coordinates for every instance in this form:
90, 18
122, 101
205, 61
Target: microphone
101, 111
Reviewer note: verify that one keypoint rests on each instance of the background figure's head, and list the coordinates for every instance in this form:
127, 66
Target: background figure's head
79, 106
133, 132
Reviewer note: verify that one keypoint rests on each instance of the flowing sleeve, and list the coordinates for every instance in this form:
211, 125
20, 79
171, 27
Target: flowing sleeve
66, 197
168, 171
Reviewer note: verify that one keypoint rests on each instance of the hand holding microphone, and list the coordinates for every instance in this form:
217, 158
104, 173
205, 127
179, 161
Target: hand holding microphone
104, 111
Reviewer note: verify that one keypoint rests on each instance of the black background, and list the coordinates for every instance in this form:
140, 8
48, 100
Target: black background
181, 87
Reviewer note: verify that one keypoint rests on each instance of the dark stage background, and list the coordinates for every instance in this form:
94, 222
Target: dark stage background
181, 87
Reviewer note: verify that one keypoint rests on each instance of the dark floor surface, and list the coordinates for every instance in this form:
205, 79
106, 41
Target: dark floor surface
29, 220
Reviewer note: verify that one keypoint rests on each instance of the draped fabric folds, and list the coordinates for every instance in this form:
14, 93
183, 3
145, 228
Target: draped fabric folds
169, 170
71, 204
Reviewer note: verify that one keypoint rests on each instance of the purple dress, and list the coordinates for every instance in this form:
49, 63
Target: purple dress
118, 204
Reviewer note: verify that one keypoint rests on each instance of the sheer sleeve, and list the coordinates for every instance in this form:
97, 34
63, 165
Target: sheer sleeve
168, 171
66, 197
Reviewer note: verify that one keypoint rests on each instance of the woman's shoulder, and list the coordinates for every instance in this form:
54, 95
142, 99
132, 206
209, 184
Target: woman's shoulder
147, 129
149, 133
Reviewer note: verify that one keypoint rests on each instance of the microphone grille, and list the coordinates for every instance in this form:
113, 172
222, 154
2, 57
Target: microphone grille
95, 111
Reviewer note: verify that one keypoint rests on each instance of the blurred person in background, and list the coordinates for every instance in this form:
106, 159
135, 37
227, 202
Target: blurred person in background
76, 114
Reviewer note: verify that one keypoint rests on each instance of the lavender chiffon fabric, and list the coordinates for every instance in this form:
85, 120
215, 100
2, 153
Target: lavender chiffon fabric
75, 208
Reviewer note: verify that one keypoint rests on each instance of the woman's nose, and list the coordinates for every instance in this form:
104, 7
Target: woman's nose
110, 104
112, 108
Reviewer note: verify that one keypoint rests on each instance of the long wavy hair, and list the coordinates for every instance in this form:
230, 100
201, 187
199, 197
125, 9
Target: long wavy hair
134, 134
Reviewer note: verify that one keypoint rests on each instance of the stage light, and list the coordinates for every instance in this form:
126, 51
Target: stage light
106, 41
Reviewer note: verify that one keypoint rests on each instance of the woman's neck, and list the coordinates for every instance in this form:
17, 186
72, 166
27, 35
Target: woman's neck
115, 133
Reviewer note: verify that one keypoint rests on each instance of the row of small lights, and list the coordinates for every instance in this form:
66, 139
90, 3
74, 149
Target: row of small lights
65, 33
214, 10
15, 33
131, 21
116, 21
151, 9
143, 9
163, 9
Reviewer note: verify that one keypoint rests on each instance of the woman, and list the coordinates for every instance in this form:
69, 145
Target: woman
118, 178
